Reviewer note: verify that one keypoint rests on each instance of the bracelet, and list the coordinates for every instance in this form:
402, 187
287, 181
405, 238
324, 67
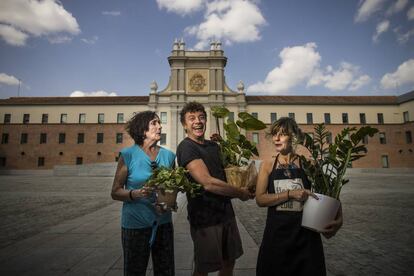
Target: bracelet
130, 195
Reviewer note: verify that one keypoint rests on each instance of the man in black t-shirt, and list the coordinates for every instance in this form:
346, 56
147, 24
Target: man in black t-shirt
214, 231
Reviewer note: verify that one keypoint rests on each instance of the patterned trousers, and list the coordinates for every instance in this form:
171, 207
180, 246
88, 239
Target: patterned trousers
136, 247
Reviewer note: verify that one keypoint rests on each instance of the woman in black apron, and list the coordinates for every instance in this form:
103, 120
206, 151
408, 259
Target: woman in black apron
287, 248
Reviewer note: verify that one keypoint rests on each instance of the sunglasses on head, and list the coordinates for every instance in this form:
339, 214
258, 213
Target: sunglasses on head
154, 165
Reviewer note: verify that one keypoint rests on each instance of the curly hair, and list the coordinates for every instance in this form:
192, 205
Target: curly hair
190, 108
138, 125
287, 126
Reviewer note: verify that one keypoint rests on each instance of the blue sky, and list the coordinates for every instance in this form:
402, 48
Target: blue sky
102, 47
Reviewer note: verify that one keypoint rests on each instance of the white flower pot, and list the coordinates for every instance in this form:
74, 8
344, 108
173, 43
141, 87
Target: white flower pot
318, 213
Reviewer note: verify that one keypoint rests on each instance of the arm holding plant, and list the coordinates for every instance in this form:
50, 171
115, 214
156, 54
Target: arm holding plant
334, 226
118, 191
199, 172
263, 199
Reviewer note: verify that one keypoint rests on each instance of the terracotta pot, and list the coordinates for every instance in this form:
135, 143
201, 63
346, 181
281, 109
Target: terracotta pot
318, 213
168, 199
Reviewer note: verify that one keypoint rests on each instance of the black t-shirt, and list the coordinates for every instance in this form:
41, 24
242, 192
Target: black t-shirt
207, 209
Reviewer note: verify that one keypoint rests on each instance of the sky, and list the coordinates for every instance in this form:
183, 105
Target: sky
284, 47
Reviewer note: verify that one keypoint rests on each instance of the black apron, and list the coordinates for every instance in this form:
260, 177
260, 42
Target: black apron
287, 248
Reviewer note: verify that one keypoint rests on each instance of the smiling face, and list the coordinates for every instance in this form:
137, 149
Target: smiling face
153, 133
282, 141
195, 125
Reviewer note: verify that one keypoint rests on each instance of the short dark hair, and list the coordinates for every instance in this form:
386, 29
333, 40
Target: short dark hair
190, 108
138, 125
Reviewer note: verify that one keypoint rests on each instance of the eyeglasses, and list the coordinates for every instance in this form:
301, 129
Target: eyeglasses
154, 165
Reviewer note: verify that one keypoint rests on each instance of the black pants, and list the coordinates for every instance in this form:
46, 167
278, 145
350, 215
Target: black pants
135, 244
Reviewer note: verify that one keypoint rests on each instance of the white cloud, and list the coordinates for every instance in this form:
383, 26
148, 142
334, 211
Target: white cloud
99, 93
181, 7
368, 8
12, 36
396, 7
8, 80
410, 13
111, 13
298, 64
403, 38
382, 27
36, 18
360, 82
91, 40
403, 75
60, 39
231, 21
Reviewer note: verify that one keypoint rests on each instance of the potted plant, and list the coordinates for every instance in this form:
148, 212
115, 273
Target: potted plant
167, 182
236, 150
326, 170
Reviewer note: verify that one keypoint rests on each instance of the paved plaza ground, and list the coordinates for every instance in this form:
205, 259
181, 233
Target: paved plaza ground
69, 225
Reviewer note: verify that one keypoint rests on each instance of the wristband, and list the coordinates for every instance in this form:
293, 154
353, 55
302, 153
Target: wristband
130, 195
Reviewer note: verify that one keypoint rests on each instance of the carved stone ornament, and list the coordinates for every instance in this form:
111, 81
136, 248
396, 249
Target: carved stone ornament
197, 82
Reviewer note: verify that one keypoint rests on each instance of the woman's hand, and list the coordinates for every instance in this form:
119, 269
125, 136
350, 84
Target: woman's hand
301, 194
333, 227
141, 193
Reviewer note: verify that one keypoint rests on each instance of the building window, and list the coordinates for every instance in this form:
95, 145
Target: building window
255, 137
382, 138
26, 118
81, 138
119, 138
362, 118
230, 117
82, 118
380, 117
45, 118
120, 118
99, 138
79, 160
309, 118
329, 138
5, 138
101, 118
3, 161
40, 161
384, 161
7, 118
406, 117
163, 140
163, 117
291, 115
327, 117
273, 117
365, 140
254, 114
62, 138
43, 138
63, 118
344, 118
408, 137
23, 138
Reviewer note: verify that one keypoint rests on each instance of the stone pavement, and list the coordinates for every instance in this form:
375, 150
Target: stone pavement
91, 245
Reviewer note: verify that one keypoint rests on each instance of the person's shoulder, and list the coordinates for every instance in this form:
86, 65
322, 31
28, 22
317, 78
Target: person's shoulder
186, 142
128, 150
267, 164
167, 152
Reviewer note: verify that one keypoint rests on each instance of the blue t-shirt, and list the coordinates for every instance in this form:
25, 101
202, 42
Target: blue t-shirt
140, 213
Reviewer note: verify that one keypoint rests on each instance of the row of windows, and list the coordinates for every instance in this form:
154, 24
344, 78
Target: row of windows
81, 118
41, 161
327, 117
381, 135
24, 138
163, 118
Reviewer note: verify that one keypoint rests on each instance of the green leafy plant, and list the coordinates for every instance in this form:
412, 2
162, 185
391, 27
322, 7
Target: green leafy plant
173, 179
329, 161
236, 150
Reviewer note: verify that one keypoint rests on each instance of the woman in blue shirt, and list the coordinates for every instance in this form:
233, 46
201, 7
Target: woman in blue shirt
144, 230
